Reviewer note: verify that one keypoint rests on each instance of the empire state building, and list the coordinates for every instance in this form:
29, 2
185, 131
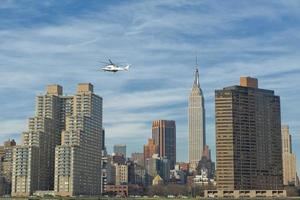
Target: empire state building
196, 121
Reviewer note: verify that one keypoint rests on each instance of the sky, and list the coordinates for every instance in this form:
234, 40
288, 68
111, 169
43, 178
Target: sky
62, 42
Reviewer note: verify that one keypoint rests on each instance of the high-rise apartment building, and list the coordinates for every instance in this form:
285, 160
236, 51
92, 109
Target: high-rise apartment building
120, 149
75, 122
288, 158
78, 158
164, 135
196, 121
6, 152
248, 137
150, 149
33, 160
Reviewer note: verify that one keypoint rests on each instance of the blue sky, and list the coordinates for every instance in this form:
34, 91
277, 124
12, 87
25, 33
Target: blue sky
45, 42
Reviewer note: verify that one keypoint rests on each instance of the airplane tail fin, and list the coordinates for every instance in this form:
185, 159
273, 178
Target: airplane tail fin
127, 68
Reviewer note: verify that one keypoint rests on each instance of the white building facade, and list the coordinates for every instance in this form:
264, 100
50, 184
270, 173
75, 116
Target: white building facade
78, 158
33, 160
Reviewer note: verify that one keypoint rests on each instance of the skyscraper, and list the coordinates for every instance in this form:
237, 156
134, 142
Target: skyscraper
164, 135
78, 158
149, 149
248, 137
75, 122
196, 121
103, 143
6, 166
33, 160
157, 166
206, 165
206, 152
111, 172
138, 158
288, 158
120, 149
139, 173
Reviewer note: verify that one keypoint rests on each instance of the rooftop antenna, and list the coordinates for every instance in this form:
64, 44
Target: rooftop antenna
196, 60
196, 81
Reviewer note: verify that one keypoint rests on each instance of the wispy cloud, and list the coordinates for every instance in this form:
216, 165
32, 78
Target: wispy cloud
9, 128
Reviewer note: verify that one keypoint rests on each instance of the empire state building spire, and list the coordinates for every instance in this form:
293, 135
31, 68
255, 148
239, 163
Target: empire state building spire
196, 81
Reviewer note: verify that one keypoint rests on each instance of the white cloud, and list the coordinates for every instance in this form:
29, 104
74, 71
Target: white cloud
12, 126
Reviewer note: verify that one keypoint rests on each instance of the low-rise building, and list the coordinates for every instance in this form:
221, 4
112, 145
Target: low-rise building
157, 180
121, 190
44, 193
244, 193
203, 178
177, 177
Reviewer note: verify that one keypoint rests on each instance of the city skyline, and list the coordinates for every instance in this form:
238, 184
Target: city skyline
65, 48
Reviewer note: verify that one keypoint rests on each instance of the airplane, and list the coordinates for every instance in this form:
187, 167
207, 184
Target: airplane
112, 67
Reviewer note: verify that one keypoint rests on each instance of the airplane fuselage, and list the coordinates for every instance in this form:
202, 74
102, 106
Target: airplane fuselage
114, 68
